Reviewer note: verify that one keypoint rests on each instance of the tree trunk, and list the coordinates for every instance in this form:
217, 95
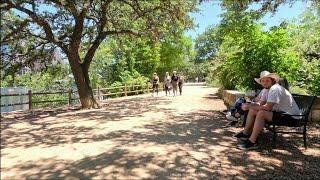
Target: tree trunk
85, 71
81, 78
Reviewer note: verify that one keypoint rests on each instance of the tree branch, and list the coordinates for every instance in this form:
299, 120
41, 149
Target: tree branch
37, 36
100, 37
15, 31
11, 65
77, 31
98, 40
138, 9
41, 22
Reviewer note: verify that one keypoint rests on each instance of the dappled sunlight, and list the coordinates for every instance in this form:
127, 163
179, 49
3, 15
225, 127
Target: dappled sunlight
21, 126
145, 138
281, 151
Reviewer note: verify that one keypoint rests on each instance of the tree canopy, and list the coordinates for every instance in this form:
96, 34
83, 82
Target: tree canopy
80, 26
110, 43
240, 48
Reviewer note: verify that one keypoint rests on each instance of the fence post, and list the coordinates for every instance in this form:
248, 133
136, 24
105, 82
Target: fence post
98, 93
30, 99
69, 95
148, 85
125, 90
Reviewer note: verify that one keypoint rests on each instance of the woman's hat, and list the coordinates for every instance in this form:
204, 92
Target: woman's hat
265, 74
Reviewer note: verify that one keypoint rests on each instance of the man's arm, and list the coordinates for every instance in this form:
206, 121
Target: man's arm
247, 105
267, 106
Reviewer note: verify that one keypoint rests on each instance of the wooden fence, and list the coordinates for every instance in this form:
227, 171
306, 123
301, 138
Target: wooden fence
99, 93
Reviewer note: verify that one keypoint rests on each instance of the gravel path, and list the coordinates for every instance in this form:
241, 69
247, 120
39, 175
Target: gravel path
146, 137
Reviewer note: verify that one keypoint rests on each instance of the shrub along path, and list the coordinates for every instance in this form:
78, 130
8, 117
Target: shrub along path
144, 137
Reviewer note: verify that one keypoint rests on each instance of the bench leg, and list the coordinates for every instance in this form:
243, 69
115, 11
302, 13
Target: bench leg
305, 136
274, 136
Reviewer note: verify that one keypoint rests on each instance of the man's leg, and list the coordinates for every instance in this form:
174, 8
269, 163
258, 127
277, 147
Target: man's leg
250, 121
259, 123
245, 118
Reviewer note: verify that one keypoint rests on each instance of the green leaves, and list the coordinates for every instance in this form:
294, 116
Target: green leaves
242, 49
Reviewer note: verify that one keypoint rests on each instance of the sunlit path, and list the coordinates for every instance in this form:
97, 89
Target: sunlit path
144, 137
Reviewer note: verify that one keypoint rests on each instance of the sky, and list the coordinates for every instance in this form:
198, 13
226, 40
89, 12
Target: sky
210, 12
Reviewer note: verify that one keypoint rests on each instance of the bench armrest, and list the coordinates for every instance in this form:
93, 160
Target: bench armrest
298, 115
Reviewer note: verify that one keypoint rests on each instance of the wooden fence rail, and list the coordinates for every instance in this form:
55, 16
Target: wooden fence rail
99, 93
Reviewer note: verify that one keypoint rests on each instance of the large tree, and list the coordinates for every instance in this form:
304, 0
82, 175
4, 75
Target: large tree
77, 26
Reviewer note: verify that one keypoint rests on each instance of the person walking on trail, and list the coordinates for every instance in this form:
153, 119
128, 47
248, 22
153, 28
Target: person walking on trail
180, 83
167, 83
155, 83
279, 101
174, 81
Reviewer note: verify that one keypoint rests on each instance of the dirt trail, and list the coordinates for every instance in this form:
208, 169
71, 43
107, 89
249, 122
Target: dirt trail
144, 137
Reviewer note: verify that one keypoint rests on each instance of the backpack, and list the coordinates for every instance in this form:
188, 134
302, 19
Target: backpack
236, 108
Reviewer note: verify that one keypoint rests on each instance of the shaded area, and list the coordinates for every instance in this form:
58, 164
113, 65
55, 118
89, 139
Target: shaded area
143, 138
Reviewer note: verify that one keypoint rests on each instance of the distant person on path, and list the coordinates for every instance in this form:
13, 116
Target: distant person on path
197, 79
155, 83
174, 82
279, 101
167, 83
180, 83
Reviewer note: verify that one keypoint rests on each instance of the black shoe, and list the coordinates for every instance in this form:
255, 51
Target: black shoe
248, 145
242, 136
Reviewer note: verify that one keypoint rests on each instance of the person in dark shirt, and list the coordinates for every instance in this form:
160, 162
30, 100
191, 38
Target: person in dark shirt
174, 81
155, 83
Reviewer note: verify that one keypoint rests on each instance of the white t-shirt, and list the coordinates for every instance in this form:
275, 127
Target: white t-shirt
167, 80
263, 95
283, 100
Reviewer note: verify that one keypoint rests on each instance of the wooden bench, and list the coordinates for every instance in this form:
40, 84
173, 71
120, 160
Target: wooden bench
305, 103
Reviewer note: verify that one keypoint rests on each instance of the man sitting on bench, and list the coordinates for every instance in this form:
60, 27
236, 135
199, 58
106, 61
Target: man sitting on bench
279, 101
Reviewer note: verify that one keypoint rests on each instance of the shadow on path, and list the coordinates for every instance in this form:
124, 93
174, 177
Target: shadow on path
144, 139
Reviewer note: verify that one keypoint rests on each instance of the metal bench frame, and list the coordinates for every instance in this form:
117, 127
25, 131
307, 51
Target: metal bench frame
305, 103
